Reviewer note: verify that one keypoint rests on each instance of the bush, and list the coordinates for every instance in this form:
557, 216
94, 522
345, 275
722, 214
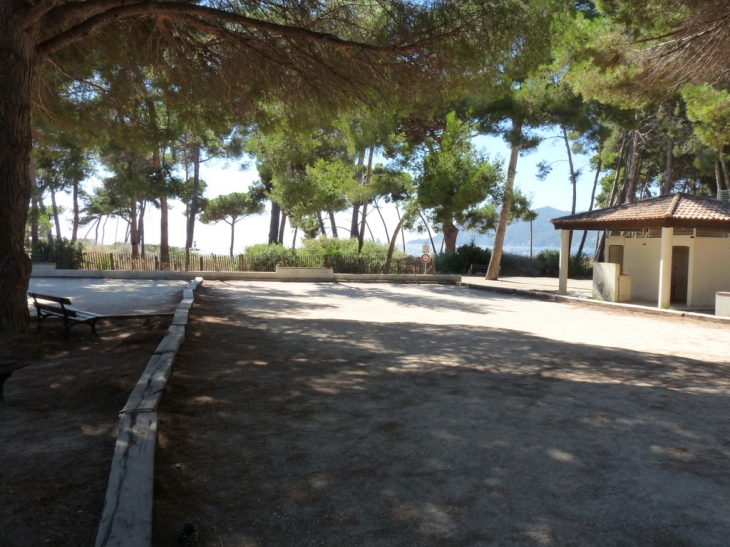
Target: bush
460, 261
518, 265
336, 247
65, 254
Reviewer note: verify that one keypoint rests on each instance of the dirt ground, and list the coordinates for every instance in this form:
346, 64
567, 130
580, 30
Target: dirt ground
60, 424
379, 415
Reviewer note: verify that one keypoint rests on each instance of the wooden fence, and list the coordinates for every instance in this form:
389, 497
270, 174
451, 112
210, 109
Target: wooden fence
239, 263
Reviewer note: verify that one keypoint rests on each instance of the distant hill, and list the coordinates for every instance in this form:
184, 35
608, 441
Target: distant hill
545, 236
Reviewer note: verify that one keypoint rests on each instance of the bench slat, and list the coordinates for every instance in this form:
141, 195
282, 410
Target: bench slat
60, 299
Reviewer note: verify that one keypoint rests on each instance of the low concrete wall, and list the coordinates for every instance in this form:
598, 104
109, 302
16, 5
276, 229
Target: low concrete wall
722, 304
605, 281
282, 274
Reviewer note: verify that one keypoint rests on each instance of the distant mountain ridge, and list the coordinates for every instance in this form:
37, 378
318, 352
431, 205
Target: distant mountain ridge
545, 236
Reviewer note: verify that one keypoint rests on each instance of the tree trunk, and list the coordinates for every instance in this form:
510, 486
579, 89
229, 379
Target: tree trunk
17, 59
718, 179
233, 234
274, 224
44, 211
34, 205
294, 239
75, 230
361, 237
430, 237
333, 226
450, 233
573, 178
531, 239
616, 178
669, 172
282, 226
134, 236
402, 232
354, 232
724, 170
633, 175
391, 247
385, 226
590, 207
193, 209
496, 259
96, 230
164, 234
322, 229
56, 221
140, 225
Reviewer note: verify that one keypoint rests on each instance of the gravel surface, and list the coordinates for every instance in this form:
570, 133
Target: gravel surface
346, 414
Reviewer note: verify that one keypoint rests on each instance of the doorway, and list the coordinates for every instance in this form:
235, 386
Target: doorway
680, 274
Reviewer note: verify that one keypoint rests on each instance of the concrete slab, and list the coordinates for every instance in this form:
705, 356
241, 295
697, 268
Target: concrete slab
113, 296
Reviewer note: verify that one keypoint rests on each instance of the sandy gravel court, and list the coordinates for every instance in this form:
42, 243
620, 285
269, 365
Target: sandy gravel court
373, 415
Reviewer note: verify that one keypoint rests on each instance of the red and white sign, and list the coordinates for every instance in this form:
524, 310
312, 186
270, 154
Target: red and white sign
425, 258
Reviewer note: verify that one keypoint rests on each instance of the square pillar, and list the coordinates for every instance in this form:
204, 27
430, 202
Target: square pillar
564, 261
665, 268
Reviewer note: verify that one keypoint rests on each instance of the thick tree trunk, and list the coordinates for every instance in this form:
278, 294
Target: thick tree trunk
402, 232
495, 261
17, 50
450, 234
75, 230
294, 239
282, 226
725, 173
274, 223
333, 226
56, 221
34, 206
133, 226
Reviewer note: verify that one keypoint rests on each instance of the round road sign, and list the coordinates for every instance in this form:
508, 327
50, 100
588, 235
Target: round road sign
425, 257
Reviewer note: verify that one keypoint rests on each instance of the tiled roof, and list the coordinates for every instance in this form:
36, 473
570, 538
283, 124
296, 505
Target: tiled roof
678, 210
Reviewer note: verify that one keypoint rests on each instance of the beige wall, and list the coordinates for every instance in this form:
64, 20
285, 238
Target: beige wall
641, 262
710, 269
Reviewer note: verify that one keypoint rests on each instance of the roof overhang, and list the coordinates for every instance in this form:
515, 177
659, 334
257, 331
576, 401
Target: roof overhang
639, 224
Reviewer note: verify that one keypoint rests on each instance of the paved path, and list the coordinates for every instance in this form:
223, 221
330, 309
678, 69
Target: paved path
112, 296
346, 414
583, 287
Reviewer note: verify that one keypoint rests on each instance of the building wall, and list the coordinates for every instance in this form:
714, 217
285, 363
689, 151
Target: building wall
710, 267
641, 262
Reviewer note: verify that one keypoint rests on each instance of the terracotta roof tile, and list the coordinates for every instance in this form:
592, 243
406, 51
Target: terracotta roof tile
679, 210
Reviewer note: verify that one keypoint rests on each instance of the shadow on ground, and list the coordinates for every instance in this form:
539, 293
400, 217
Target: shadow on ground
318, 432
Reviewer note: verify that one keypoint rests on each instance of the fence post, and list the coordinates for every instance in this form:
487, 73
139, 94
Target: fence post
111, 260
201, 263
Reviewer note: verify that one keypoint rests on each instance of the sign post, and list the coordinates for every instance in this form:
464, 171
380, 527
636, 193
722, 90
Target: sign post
425, 258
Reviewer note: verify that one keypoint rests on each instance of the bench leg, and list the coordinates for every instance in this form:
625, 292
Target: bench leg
66, 326
93, 328
3, 377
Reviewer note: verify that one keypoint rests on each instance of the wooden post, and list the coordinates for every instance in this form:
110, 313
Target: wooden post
111, 261
201, 263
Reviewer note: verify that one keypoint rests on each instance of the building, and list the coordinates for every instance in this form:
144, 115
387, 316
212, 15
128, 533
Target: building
669, 249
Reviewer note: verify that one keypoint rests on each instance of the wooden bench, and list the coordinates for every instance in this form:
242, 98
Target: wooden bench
6, 370
71, 316
476, 269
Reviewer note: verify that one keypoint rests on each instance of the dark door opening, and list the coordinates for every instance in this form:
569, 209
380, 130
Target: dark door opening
680, 274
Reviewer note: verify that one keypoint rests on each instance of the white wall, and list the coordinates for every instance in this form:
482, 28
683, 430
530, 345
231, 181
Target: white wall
711, 271
605, 281
641, 262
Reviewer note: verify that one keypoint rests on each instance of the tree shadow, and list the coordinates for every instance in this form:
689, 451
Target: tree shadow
325, 432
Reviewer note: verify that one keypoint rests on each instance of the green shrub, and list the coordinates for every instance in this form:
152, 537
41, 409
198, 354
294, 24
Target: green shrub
65, 254
518, 265
460, 261
333, 246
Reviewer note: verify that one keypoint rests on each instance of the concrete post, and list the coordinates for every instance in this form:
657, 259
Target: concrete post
665, 268
564, 261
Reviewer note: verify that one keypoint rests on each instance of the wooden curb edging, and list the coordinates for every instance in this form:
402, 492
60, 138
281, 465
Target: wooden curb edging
126, 520
613, 306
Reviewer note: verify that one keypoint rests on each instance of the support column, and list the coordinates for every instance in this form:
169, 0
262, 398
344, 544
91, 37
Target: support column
564, 261
665, 268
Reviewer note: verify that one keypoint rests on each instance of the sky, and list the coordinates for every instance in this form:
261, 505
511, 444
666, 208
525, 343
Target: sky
226, 177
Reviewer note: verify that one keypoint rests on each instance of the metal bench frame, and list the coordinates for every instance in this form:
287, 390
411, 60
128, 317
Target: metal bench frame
6, 370
71, 316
